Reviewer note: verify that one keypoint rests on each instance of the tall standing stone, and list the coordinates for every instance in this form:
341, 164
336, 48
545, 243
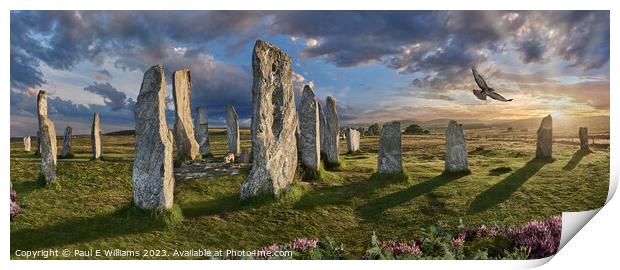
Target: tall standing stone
232, 130
38, 150
583, 139
390, 158
153, 172
322, 128
95, 137
47, 140
201, 128
310, 137
273, 123
66, 145
27, 143
544, 141
353, 140
187, 147
332, 132
456, 149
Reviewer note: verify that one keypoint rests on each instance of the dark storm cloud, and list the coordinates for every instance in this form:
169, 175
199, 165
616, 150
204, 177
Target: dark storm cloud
444, 45
437, 47
111, 97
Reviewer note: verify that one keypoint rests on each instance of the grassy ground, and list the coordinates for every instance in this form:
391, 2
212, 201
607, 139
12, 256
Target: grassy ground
506, 187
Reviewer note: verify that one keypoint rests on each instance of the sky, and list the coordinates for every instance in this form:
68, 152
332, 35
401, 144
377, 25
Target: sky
378, 65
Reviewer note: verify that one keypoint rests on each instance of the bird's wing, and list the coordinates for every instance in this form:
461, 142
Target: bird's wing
496, 96
479, 80
480, 94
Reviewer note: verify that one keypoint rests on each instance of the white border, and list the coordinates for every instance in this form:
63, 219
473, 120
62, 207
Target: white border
595, 246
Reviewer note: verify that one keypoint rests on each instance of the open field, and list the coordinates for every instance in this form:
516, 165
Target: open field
506, 187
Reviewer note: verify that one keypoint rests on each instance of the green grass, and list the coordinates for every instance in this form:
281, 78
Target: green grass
506, 186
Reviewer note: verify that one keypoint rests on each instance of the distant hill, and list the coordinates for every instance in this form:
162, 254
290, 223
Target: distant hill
122, 132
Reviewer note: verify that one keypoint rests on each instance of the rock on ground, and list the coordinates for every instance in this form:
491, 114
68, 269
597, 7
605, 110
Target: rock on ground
332, 132
201, 127
232, 130
456, 148
47, 140
95, 137
153, 172
390, 149
229, 158
583, 138
544, 141
186, 145
273, 123
353, 140
310, 138
66, 145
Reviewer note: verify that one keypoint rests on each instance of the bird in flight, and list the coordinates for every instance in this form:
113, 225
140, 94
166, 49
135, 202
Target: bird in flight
485, 89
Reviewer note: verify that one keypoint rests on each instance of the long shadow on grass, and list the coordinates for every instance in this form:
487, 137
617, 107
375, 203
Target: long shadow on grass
82, 230
503, 189
222, 205
574, 161
378, 206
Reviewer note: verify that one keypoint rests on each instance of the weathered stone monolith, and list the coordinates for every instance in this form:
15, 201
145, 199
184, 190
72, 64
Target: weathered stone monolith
187, 147
232, 130
66, 145
544, 141
322, 128
27, 143
353, 140
390, 151
583, 139
332, 132
95, 138
153, 175
274, 122
244, 157
310, 137
38, 150
456, 149
201, 128
47, 140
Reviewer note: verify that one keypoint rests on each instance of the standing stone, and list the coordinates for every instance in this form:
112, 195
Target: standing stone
27, 143
187, 147
66, 145
390, 153
544, 141
310, 137
456, 148
47, 140
232, 130
353, 140
332, 132
38, 150
322, 128
201, 127
95, 137
244, 157
583, 138
273, 123
153, 175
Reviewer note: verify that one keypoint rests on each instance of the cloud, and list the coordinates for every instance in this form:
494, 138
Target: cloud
103, 75
111, 97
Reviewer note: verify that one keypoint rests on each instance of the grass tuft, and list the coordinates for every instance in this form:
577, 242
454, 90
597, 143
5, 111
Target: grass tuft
309, 174
389, 178
165, 217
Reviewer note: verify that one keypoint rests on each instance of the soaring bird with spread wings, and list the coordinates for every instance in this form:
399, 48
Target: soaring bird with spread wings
485, 89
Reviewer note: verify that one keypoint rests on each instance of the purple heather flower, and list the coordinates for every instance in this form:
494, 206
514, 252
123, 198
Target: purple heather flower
303, 244
401, 248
